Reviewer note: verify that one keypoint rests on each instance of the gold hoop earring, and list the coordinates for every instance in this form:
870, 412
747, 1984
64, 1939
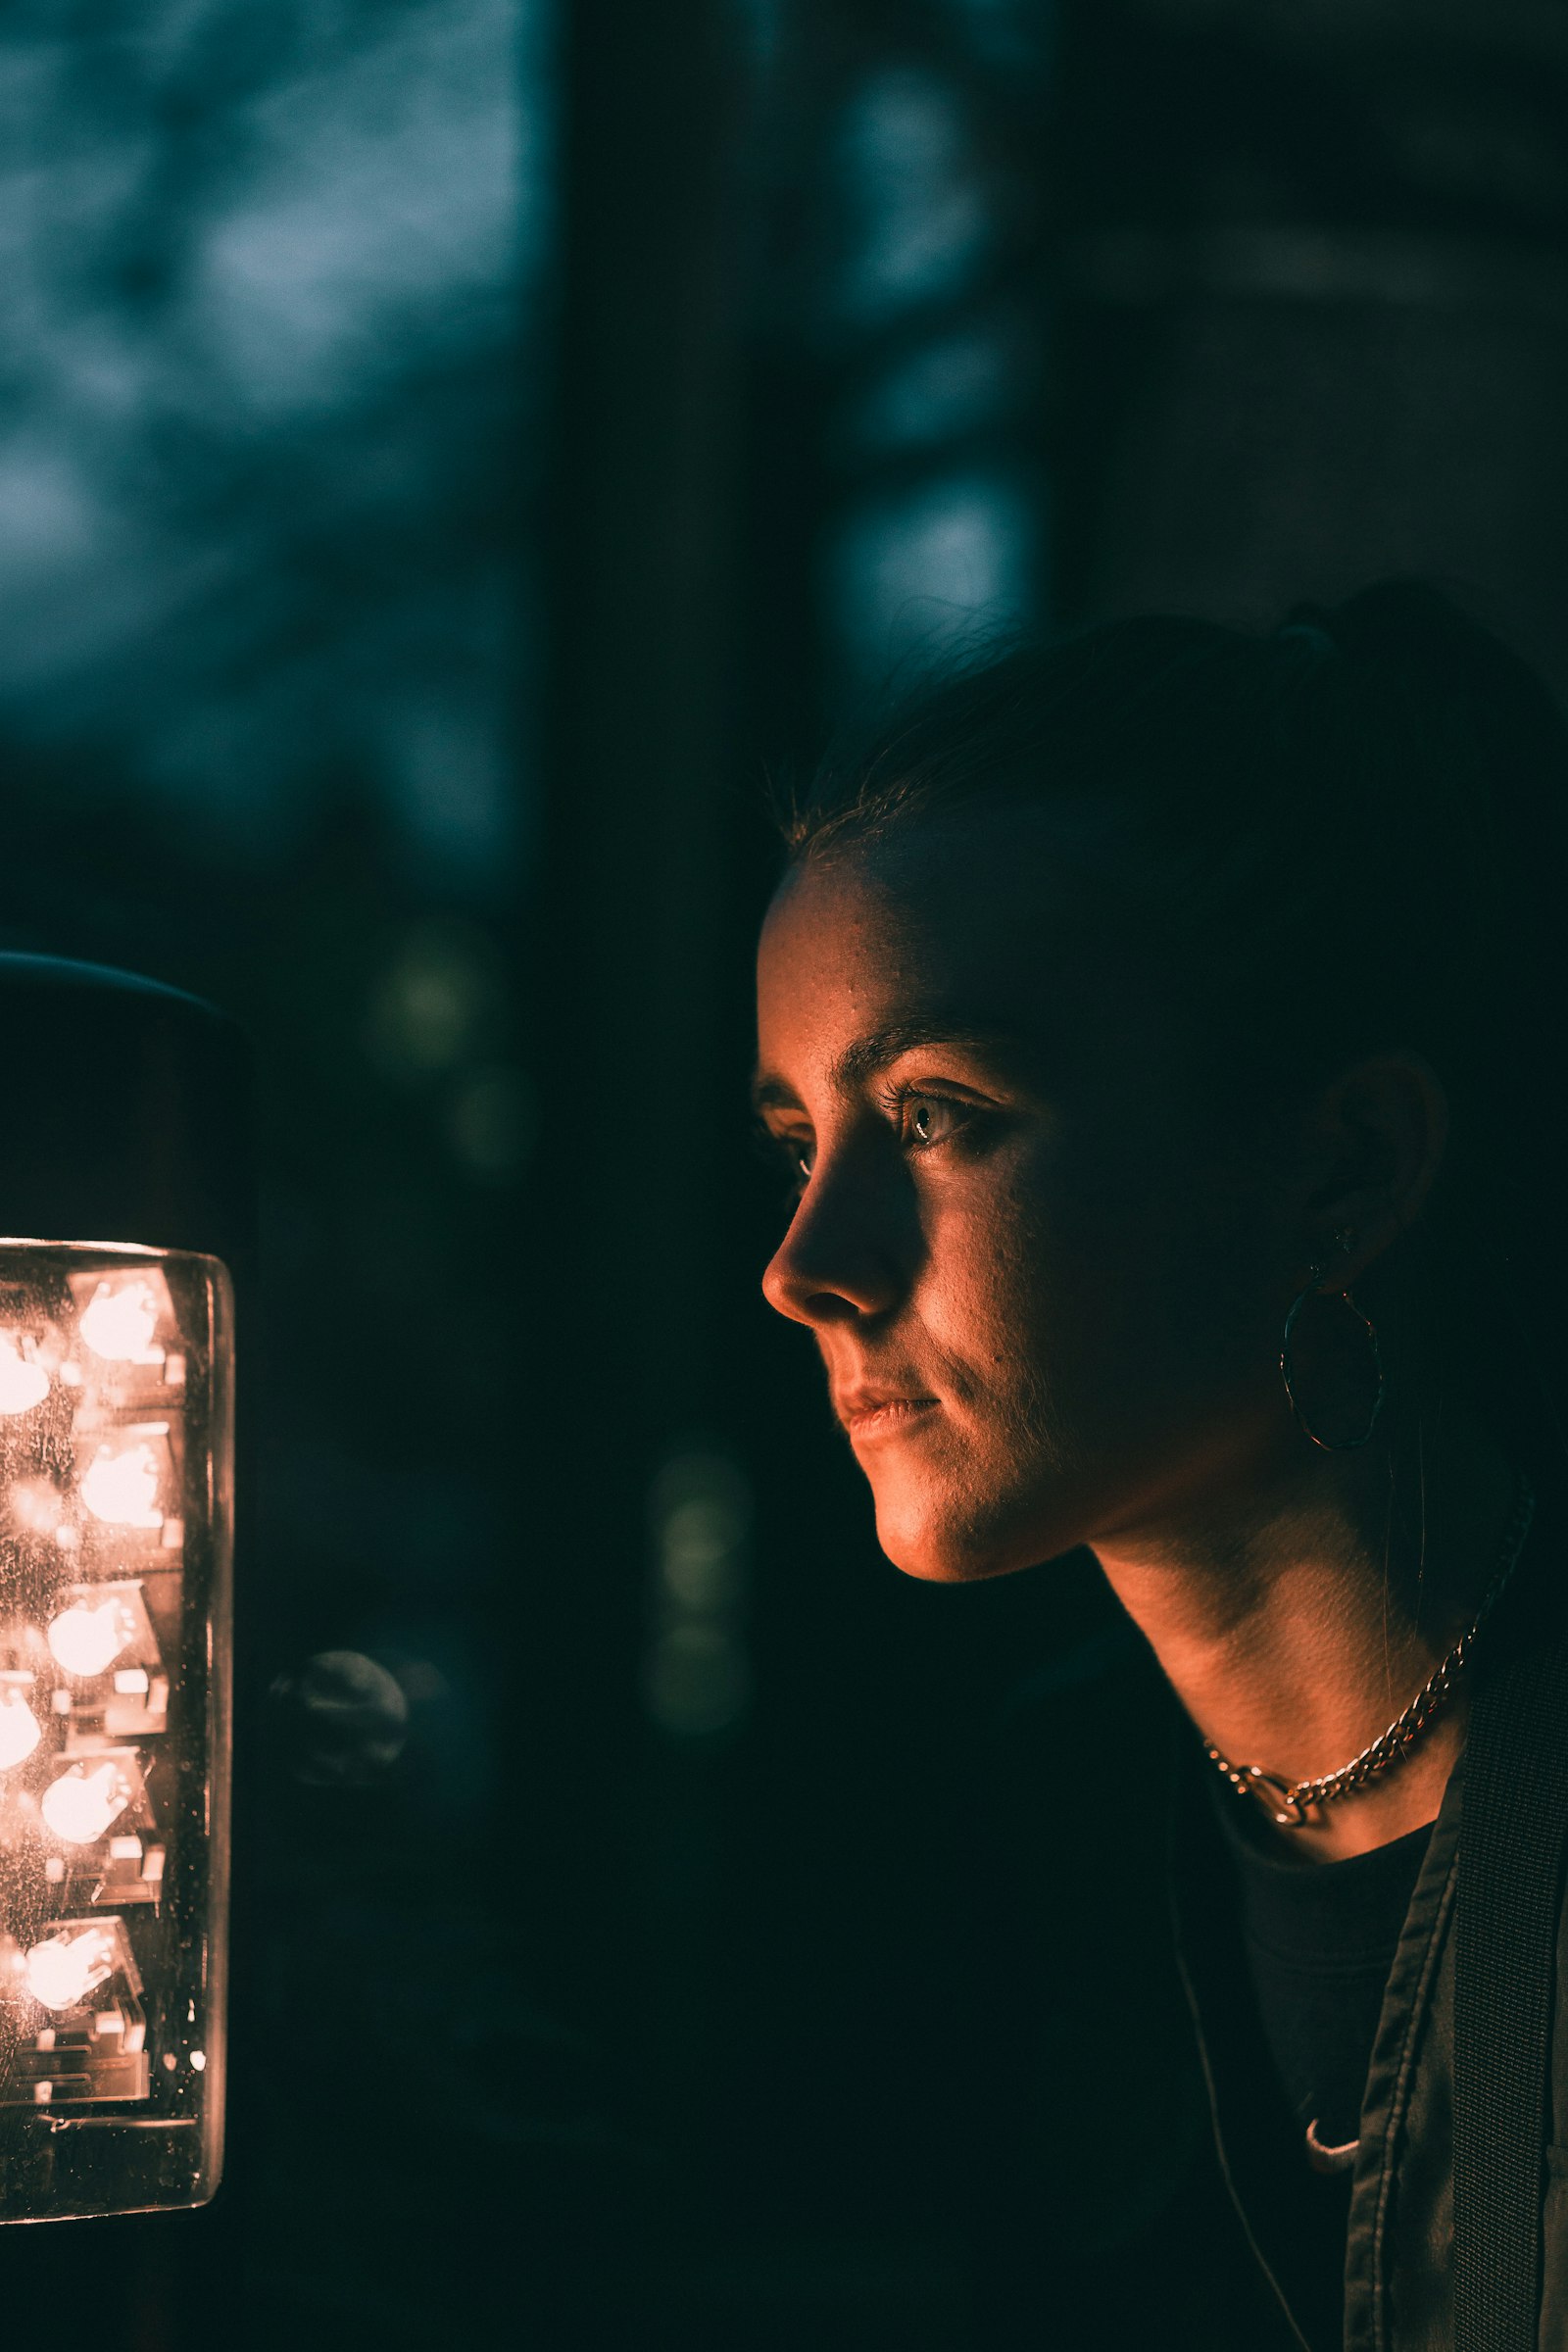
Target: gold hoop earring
1329, 1444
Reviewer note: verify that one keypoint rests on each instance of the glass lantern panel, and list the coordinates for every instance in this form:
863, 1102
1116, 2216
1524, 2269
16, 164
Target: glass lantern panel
115, 1537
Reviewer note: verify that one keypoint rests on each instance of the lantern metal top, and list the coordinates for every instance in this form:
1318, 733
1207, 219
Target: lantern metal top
123, 1112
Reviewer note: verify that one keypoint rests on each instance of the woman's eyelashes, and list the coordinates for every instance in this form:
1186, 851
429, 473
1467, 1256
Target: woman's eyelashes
791, 1148
798, 1153
924, 1117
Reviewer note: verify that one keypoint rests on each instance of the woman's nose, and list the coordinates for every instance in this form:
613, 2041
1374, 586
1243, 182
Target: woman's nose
834, 1263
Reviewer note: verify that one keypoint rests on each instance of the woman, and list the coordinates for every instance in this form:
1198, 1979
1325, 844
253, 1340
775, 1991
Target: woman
1163, 1031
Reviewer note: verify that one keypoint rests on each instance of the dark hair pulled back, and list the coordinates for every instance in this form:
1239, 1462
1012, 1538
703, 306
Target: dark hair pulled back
1348, 834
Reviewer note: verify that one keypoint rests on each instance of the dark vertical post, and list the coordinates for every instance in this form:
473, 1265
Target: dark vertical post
618, 1263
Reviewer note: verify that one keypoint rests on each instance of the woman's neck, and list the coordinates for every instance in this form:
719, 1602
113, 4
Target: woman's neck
1296, 1626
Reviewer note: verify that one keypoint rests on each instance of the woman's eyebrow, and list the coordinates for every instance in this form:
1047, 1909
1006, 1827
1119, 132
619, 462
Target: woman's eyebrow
865, 1057
772, 1094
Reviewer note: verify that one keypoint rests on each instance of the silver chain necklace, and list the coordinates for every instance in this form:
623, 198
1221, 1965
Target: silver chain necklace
1289, 1802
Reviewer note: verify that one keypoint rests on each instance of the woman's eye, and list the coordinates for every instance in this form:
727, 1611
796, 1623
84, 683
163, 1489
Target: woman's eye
930, 1119
794, 1154
798, 1152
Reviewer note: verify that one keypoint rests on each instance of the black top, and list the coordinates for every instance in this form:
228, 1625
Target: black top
127, 1112
1319, 1939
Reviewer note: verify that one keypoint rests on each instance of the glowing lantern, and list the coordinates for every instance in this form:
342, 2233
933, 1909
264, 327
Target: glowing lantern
64, 1970
80, 1805
22, 1381
117, 1502
87, 1637
120, 1484
19, 1730
120, 1319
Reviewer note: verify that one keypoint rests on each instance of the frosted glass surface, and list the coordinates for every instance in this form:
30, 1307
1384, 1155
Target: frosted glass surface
116, 1530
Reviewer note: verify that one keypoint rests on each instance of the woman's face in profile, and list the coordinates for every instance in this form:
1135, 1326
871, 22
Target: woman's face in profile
1046, 1297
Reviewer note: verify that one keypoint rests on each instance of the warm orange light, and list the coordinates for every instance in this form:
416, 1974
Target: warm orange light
116, 1517
62, 1972
23, 1382
19, 1730
118, 1320
87, 1639
120, 1486
80, 1805
36, 1504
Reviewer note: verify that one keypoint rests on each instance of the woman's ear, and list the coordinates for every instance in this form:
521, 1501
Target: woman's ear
1381, 1128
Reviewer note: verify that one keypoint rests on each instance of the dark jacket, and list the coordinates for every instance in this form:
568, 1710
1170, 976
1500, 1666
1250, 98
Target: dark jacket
1142, 2180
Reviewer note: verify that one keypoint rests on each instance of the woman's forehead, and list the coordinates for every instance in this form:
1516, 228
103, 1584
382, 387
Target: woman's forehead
971, 925
966, 895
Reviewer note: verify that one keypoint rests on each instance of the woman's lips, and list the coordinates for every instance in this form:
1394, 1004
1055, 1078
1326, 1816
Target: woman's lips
870, 1417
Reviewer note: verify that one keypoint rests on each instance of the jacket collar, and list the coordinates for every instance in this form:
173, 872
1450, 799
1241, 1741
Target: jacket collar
1295, 2220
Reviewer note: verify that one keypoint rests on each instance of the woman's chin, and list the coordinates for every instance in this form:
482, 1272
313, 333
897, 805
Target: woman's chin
949, 1546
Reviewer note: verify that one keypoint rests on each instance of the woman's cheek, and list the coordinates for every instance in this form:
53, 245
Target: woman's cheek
997, 1291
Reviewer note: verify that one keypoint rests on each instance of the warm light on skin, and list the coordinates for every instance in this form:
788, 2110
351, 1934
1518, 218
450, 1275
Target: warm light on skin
86, 1640
23, 1382
62, 1972
120, 1486
80, 1806
118, 1320
19, 1730
1013, 1208
1041, 1208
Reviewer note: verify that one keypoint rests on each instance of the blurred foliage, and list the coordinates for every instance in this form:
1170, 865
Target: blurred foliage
266, 288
